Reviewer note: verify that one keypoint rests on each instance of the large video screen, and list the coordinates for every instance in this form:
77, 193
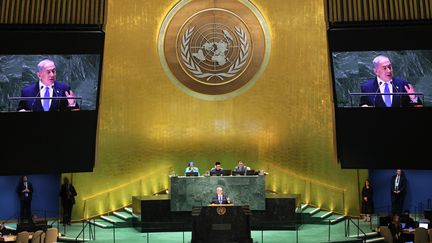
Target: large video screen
20, 78
50, 78
355, 76
381, 77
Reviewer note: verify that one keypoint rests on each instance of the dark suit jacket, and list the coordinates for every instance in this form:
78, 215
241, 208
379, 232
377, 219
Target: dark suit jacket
32, 90
371, 86
402, 184
21, 194
67, 194
215, 200
241, 169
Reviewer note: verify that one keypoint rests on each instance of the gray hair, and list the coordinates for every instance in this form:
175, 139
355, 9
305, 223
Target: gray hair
377, 60
41, 64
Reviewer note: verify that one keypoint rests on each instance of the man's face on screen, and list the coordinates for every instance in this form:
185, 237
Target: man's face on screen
48, 74
384, 70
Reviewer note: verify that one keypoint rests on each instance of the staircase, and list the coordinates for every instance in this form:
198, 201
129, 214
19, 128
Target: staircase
313, 215
121, 219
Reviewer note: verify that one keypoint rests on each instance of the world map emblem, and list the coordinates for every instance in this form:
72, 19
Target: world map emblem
213, 49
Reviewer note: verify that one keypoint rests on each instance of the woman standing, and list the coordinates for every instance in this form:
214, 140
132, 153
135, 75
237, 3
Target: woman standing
367, 200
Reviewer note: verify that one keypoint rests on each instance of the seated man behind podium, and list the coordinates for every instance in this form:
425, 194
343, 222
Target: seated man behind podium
217, 170
241, 168
220, 197
384, 82
47, 87
191, 168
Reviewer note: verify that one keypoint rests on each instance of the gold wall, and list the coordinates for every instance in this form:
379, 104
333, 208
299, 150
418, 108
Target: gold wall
148, 126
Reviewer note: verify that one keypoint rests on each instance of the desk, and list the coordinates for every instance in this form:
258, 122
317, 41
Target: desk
189, 191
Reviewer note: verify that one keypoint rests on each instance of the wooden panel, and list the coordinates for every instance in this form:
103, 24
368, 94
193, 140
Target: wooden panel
52, 12
378, 10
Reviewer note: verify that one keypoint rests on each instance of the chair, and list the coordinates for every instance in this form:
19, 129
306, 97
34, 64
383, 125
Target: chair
22, 237
421, 235
51, 235
38, 237
385, 232
430, 234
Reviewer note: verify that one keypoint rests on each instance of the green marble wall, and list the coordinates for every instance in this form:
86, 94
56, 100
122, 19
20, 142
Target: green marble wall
187, 192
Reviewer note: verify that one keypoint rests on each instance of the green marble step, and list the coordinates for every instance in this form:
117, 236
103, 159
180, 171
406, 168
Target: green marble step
321, 213
123, 215
113, 219
308, 210
128, 209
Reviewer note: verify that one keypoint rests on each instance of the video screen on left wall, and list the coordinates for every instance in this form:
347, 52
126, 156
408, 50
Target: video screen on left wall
20, 78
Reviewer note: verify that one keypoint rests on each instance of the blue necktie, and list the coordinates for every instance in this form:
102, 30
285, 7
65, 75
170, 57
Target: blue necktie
220, 199
387, 98
45, 102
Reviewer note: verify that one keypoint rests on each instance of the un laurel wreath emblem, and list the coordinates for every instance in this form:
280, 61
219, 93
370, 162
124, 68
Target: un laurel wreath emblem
221, 210
213, 49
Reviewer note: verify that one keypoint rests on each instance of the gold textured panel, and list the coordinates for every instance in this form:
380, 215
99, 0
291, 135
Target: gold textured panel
148, 127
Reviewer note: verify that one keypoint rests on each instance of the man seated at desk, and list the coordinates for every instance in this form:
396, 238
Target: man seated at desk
217, 170
191, 168
241, 168
220, 197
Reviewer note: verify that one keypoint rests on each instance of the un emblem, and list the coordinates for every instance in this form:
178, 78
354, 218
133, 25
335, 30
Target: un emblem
214, 49
221, 210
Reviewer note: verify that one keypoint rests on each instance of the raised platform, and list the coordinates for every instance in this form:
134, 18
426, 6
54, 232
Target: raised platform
154, 215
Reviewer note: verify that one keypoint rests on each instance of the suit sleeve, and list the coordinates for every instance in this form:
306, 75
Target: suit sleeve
403, 184
74, 193
363, 99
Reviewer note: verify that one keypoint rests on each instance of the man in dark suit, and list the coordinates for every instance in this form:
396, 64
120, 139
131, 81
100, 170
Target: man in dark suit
383, 83
241, 168
47, 87
25, 193
398, 191
67, 194
217, 170
220, 197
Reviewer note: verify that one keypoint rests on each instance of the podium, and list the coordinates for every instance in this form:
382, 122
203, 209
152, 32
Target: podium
218, 223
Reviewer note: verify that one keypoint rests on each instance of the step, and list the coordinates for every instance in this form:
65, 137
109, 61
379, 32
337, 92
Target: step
314, 211
128, 209
378, 239
326, 215
366, 235
102, 224
337, 220
113, 219
71, 239
308, 210
123, 215
321, 213
303, 207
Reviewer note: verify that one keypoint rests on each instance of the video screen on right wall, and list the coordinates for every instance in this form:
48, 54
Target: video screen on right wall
354, 69
381, 78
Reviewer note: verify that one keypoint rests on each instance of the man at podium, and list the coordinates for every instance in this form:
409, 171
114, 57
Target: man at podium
220, 197
47, 87
384, 83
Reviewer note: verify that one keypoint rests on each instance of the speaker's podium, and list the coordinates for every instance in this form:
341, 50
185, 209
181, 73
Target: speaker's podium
220, 223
